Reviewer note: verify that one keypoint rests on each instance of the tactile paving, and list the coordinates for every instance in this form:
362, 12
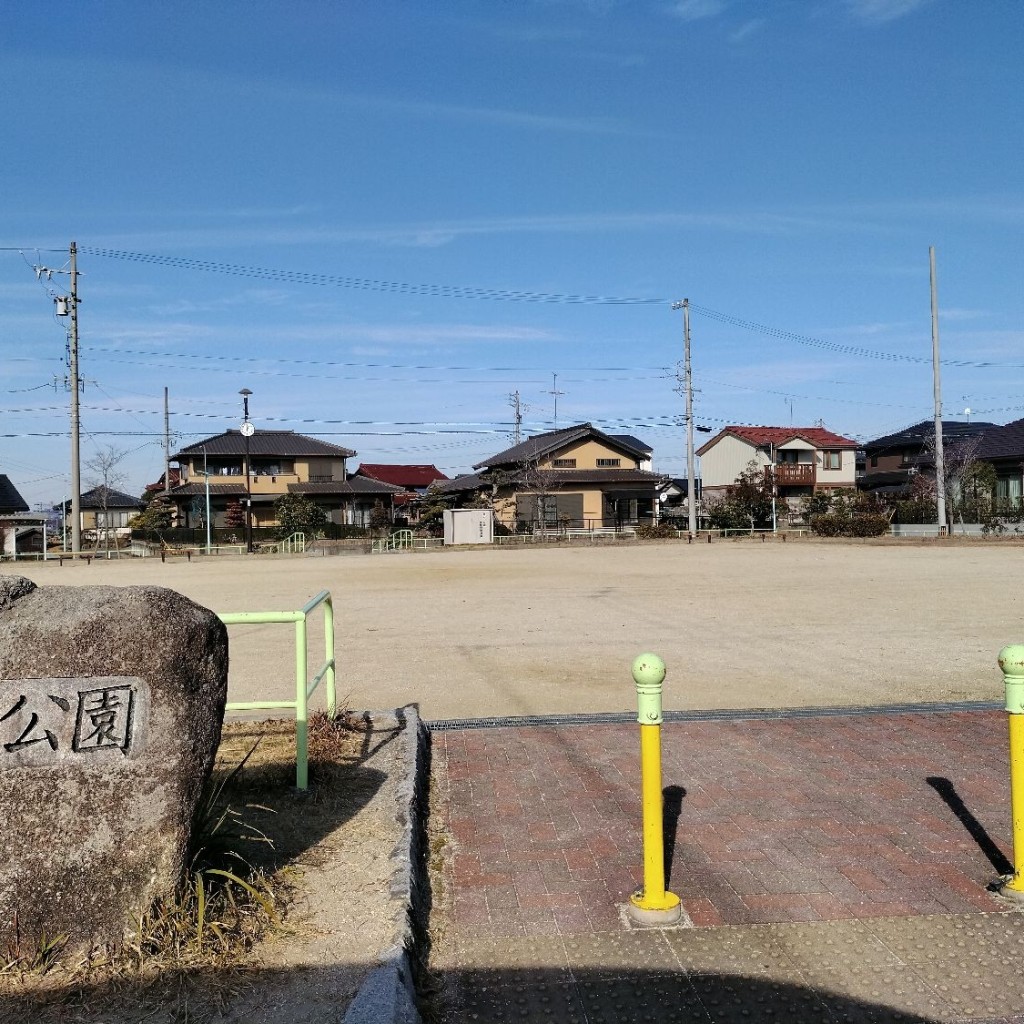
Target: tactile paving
537, 1002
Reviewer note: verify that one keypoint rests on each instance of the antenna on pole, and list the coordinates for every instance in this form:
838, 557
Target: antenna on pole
554, 392
517, 432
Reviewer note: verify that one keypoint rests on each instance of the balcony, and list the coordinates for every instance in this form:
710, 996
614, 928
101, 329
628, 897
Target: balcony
792, 474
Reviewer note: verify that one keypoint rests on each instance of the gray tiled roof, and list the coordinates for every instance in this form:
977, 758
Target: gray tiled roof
354, 485
10, 499
266, 443
540, 445
221, 490
111, 499
922, 433
1003, 442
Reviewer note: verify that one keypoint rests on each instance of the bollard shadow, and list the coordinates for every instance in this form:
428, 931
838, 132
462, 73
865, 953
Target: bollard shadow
672, 797
975, 829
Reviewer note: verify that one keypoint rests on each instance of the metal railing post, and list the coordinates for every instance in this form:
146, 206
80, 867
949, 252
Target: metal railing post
301, 707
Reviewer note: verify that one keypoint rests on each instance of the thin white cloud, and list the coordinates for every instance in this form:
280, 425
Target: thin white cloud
747, 29
696, 10
881, 11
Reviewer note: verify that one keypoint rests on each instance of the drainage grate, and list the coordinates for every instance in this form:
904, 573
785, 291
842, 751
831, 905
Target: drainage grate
725, 715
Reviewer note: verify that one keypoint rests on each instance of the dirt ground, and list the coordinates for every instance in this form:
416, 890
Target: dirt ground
472, 633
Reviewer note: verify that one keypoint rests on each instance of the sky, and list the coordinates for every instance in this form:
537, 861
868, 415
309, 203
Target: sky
387, 218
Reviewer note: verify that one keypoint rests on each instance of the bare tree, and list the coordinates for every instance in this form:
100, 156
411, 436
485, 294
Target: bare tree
106, 476
960, 467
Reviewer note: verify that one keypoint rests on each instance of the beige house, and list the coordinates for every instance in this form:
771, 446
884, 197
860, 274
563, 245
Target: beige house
800, 460
280, 462
578, 478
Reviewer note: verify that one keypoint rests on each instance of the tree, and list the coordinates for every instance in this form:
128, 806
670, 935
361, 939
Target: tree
106, 476
295, 513
380, 519
157, 516
431, 507
747, 503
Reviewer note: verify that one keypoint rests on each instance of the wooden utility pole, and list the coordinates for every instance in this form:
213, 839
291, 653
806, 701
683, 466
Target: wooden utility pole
940, 462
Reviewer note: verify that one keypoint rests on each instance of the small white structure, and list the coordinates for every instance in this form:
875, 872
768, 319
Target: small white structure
468, 526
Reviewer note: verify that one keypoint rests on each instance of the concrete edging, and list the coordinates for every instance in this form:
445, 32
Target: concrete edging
388, 994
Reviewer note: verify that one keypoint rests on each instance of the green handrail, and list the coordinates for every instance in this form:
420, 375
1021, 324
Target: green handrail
303, 688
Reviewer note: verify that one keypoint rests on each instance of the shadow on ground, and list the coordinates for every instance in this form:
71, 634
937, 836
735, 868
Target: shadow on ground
486, 996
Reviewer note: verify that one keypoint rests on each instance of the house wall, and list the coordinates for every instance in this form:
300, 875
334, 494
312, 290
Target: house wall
722, 463
845, 476
890, 462
586, 453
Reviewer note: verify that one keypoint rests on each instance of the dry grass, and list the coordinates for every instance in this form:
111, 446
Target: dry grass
254, 826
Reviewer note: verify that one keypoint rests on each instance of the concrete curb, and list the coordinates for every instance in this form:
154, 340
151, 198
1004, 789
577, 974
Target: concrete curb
388, 995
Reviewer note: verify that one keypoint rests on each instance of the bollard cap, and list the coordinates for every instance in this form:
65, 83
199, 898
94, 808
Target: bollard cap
1011, 660
649, 670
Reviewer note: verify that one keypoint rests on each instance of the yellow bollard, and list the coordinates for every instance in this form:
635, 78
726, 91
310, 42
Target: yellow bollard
652, 905
1011, 661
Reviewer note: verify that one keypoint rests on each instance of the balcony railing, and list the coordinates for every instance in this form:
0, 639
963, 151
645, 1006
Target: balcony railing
790, 474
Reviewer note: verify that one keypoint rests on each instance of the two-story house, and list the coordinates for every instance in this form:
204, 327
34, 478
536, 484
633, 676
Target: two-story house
280, 462
800, 460
891, 462
577, 477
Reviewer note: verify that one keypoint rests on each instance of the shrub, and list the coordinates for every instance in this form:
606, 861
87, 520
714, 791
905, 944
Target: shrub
829, 524
869, 525
659, 532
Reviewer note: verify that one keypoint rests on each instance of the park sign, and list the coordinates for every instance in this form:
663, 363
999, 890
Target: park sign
111, 704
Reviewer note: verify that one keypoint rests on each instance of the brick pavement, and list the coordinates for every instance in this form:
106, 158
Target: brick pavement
826, 823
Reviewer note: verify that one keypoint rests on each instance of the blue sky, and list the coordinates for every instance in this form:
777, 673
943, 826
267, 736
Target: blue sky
784, 163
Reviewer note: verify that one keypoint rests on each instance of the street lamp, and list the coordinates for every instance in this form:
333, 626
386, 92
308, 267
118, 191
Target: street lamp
247, 431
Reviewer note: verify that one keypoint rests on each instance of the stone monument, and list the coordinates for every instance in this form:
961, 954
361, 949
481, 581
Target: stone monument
111, 704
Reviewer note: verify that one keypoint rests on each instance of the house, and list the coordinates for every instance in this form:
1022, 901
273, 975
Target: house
800, 460
280, 462
1003, 447
104, 513
20, 531
577, 477
413, 481
891, 462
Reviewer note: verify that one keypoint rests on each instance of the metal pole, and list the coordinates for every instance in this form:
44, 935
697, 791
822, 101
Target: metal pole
206, 475
1011, 661
246, 431
940, 462
652, 904
76, 469
167, 445
691, 470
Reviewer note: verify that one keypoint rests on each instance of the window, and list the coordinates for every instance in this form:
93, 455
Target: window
831, 460
874, 461
609, 462
563, 463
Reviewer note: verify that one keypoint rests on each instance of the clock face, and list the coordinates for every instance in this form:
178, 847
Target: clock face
247, 429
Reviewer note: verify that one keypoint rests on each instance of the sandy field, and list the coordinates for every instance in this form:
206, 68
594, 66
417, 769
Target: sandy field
472, 633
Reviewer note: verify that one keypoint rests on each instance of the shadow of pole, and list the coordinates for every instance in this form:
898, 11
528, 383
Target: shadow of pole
975, 829
672, 797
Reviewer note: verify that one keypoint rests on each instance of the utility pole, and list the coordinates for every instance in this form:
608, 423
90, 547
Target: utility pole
691, 472
940, 462
517, 432
167, 445
76, 423
554, 392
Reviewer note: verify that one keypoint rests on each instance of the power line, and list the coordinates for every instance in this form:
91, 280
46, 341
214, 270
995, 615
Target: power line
369, 284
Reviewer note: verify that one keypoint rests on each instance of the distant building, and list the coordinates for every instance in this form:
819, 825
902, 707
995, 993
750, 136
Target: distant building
891, 462
800, 460
280, 462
